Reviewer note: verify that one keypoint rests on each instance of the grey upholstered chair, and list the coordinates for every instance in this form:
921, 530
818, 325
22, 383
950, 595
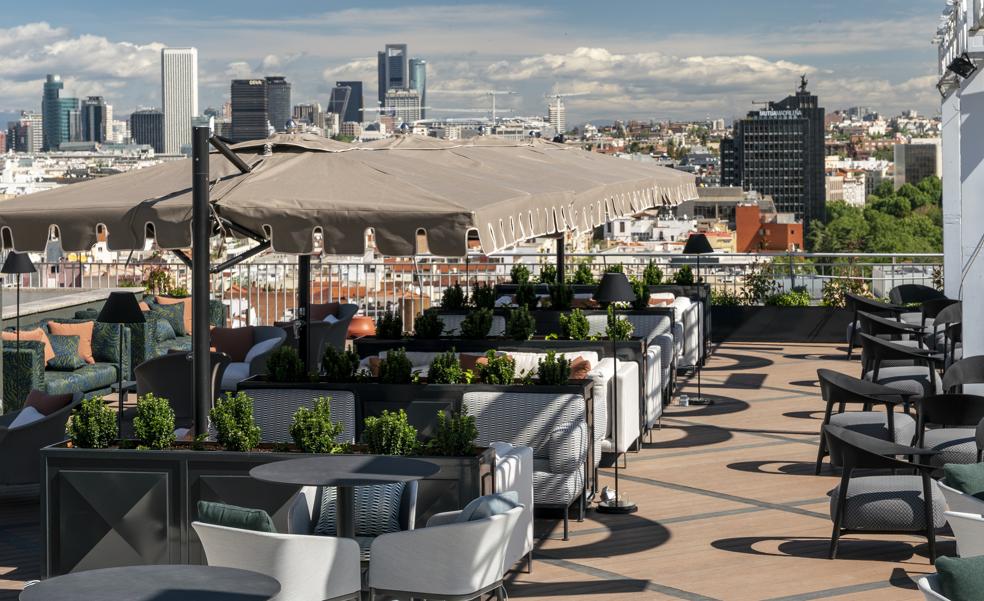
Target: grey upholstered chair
969, 372
856, 303
841, 390
915, 380
20, 448
889, 504
554, 426
266, 339
170, 376
958, 417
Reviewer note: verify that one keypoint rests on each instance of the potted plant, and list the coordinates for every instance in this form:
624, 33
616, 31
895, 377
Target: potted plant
313, 430
483, 297
477, 324
93, 425
453, 298
389, 326
574, 325
520, 325
428, 326
153, 424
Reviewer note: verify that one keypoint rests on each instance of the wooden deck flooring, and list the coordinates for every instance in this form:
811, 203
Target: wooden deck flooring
729, 507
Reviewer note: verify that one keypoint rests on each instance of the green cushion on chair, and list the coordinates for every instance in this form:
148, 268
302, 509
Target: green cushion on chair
962, 578
174, 314
231, 516
967, 478
67, 357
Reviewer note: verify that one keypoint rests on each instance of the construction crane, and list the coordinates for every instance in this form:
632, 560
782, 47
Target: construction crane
490, 93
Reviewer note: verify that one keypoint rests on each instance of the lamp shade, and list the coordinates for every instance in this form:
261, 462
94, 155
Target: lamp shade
18, 263
697, 244
614, 288
121, 307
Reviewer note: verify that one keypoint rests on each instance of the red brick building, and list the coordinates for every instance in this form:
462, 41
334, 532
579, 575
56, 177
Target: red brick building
757, 232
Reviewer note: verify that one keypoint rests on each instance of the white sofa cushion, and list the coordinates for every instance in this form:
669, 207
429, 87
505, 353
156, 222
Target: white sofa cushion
27, 415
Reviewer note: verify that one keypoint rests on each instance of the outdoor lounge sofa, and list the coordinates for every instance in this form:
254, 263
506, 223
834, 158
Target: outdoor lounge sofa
20, 457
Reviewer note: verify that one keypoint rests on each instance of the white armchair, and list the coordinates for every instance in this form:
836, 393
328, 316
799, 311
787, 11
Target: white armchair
628, 407
514, 472
931, 588
446, 560
960, 502
968, 528
308, 568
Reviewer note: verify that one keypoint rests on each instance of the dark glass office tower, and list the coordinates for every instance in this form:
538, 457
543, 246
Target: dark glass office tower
250, 117
353, 109
147, 127
278, 102
393, 69
56, 113
418, 81
93, 114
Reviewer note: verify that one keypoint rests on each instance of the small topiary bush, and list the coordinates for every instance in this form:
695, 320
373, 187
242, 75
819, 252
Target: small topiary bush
561, 296
453, 298
618, 328
455, 436
574, 325
428, 326
389, 326
641, 290
583, 275
548, 274
835, 291
339, 366
477, 324
313, 431
93, 425
520, 325
553, 370
446, 369
232, 418
726, 298
499, 369
652, 275
154, 423
519, 274
395, 367
794, 298
390, 434
284, 365
526, 296
684, 276
616, 268
483, 297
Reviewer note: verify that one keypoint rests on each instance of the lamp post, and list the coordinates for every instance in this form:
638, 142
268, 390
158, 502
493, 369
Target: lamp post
615, 288
19, 264
697, 244
121, 308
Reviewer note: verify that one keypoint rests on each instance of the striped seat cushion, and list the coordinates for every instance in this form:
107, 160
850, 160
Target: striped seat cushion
377, 510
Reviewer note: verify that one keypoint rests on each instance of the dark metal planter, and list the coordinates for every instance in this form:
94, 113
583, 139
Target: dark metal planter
110, 507
780, 324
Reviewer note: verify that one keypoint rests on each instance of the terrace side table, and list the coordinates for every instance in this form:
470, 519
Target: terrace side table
155, 583
344, 472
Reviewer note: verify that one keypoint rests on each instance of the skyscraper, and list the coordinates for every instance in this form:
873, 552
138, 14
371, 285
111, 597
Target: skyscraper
278, 102
338, 102
26, 134
179, 96
393, 69
557, 115
94, 117
353, 110
404, 105
418, 81
250, 117
147, 127
56, 113
779, 151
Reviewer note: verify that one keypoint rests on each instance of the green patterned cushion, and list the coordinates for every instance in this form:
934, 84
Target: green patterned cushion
231, 516
173, 314
165, 331
67, 356
967, 478
106, 342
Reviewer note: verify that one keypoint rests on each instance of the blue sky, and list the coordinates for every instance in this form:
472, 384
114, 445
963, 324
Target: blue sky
643, 59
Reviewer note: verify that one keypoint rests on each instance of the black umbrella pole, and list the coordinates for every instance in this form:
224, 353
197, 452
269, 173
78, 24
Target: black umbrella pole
201, 220
304, 311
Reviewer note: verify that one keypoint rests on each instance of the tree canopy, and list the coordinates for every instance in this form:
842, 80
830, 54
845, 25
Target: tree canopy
909, 219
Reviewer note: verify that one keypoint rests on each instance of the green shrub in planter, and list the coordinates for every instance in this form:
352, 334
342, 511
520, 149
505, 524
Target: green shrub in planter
455, 436
453, 298
526, 296
313, 431
232, 418
483, 296
684, 276
553, 370
520, 325
390, 434
519, 274
652, 275
446, 369
389, 326
548, 274
574, 325
93, 425
641, 290
835, 291
179, 292
618, 328
339, 366
499, 369
795, 298
760, 286
616, 268
154, 423
428, 326
561, 296
395, 368
477, 324
726, 298
285, 366
583, 275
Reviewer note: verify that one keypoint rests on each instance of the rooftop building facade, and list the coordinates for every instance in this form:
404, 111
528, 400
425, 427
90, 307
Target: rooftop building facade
917, 160
147, 127
250, 116
404, 105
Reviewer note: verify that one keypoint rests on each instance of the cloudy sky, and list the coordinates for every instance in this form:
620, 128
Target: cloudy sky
626, 59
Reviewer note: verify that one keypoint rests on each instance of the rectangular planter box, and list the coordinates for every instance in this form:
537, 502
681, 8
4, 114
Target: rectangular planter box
110, 507
781, 324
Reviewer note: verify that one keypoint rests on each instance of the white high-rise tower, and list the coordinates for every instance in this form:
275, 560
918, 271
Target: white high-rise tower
557, 114
179, 96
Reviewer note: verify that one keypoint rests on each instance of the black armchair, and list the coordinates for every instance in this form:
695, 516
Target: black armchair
969, 370
959, 417
916, 379
170, 376
856, 303
20, 448
908, 294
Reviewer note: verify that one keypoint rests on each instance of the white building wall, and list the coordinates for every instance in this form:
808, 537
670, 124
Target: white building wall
952, 254
971, 103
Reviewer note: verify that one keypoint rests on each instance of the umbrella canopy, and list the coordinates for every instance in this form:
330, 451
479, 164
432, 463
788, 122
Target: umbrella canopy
397, 188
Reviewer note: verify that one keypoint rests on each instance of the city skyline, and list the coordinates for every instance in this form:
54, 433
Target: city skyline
650, 62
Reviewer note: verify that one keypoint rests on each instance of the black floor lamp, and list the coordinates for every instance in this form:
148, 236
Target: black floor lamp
19, 264
121, 308
615, 288
697, 244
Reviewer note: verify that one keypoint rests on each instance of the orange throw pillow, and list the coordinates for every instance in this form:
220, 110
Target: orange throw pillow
471, 362
36, 335
143, 306
82, 330
580, 368
163, 300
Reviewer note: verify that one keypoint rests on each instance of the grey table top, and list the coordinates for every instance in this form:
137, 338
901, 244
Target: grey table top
344, 470
155, 583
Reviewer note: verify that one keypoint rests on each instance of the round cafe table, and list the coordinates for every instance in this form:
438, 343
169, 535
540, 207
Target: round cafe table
155, 583
344, 472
